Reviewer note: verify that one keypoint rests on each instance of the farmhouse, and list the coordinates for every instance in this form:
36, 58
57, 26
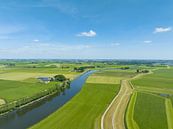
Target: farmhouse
44, 79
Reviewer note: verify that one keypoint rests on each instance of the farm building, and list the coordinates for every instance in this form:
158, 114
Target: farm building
44, 79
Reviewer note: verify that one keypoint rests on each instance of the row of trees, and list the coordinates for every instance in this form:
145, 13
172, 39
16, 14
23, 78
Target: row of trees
58, 88
82, 68
142, 71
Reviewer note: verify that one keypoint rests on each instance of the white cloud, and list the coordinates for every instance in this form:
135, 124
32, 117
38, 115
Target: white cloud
91, 33
36, 40
147, 41
115, 44
162, 29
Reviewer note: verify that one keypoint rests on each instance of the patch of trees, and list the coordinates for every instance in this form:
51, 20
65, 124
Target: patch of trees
65, 67
142, 71
10, 64
60, 78
82, 68
125, 68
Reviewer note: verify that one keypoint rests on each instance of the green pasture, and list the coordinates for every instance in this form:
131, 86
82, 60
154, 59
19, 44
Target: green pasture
162, 78
111, 76
150, 112
13, 90
84, 110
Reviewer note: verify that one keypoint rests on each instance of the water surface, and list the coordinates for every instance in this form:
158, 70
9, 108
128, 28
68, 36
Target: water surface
30, 115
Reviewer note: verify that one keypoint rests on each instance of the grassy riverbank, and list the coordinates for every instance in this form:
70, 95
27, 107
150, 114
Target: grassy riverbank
86, 108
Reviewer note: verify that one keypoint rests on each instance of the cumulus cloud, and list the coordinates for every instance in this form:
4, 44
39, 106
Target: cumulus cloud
147, 41
36, 40
91, 33
162, 29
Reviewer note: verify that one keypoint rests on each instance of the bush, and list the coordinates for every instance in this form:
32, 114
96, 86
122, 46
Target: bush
60, 78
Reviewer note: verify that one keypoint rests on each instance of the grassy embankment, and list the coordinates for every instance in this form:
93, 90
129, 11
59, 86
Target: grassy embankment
21, 84
84, 111
152, 108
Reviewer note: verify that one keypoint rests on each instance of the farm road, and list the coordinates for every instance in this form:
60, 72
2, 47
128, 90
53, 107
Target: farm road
113, 117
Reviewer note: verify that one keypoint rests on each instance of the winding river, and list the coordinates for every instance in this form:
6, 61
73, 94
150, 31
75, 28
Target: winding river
30, 115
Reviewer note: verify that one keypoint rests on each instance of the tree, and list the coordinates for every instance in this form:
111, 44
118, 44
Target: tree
60, 78
137, 70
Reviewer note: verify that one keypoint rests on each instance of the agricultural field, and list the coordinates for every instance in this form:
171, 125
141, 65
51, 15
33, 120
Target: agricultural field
149, 111
20, 80
159, 79
152, 104
87, 111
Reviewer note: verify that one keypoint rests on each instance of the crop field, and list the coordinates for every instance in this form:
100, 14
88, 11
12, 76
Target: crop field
153, 106
21, 81
159, 79
111, 77
84, 110
87, 111
13, 90
150, 112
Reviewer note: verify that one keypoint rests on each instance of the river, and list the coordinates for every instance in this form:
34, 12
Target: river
32, 114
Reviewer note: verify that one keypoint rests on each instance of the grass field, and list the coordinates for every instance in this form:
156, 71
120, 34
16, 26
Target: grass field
13, 90
159, 79
149, 112
153, 107
21, 81
169, 113
84, 110
111, 77
130, 122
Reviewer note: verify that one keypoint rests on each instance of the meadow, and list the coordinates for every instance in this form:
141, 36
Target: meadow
152, 106
18, 80
150, 112
159, 79
86, 108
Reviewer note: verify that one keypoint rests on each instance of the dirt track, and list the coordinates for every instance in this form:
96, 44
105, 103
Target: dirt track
113, 118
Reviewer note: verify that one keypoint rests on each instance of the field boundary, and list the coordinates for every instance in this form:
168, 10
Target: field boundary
104, 114
131, 123
169, 113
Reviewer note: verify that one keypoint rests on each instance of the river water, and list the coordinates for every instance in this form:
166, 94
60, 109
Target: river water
30, 115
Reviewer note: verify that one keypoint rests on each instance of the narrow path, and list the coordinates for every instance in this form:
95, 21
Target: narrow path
113, 117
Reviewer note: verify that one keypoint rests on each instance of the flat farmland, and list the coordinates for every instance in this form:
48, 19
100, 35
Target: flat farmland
111, 77
153, 104
84, 110
150, 111
13, 90
159, 79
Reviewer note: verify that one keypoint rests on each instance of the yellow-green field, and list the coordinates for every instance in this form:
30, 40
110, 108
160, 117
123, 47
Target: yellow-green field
152, 104
84, 111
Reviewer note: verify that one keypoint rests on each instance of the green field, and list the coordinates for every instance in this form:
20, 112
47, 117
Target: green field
150, 106
84, 110
153, 107
13, 90
149, 112
159, 79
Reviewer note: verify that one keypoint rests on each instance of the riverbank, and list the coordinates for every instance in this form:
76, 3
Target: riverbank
86, 108
23, 102
40, 110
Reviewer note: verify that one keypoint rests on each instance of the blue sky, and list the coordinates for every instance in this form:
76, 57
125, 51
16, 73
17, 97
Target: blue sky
111, 29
